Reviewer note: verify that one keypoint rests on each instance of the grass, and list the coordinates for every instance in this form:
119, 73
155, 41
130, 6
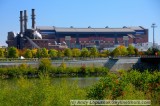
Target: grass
41, 92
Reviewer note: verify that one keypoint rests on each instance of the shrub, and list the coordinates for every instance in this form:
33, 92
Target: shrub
45, 65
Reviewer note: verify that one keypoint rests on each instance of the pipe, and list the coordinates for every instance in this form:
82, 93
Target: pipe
25, 20
21, 22
33, 18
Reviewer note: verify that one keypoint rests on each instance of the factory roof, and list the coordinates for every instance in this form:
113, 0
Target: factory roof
89, 29
94, 30
45, 27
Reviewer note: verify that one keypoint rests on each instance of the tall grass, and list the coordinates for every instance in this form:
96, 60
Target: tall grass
41, 92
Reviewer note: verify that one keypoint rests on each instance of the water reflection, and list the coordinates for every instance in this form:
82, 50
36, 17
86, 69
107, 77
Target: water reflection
81, 81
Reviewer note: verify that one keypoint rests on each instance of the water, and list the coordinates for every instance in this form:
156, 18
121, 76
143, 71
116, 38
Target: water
81, 81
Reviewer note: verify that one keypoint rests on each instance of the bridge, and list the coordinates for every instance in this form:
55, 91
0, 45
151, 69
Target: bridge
150, 59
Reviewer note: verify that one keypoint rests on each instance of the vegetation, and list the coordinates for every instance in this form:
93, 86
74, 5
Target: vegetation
94, 52
46, 67
13, 52
39, 92
1, 53
131, 50
131, 85
84, 52
68, 52
76, 52
28, 54
121, 50
53, 53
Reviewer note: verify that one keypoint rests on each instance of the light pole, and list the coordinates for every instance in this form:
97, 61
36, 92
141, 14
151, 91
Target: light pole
153, 26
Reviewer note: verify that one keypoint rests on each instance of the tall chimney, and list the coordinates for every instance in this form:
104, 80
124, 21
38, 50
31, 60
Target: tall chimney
33, 19
25, 20
21, 21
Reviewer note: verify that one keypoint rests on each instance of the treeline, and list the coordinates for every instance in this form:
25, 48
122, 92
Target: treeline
12, 52
45, 67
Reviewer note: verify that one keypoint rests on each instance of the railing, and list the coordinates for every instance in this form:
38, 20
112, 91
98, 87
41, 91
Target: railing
149, 56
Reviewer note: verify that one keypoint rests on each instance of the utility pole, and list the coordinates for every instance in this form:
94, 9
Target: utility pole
153, 26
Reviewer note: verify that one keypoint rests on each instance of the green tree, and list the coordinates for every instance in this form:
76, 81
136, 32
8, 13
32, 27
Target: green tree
76, 52
130, 50
38, 53
115, 52
60, 53
44, 53
53, 53
34, 53
94, 52
28, 53
84, 52
1, 53
120, 51
105, 53
12, 52
68, 52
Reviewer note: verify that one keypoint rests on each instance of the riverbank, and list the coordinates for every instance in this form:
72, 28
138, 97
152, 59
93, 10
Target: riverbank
45, 91
61, 71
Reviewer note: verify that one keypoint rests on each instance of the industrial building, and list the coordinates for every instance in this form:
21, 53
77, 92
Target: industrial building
59, 37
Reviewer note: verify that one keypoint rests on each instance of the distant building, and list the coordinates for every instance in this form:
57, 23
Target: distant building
59, 37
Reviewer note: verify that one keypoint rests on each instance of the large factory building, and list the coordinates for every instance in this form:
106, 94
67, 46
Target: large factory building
60, 38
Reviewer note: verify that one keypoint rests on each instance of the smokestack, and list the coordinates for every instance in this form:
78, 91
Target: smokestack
25, 20
33, 19
21, 22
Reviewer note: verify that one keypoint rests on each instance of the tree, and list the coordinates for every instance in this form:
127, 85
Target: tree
130, 50
38, 53
28, 53
60, 53
120, 51
1, 53
116, 52
152, 51
53, 53
76, 52
93, 52
12, 52
84, 52
44, 53
22, 52
136, 51
68, 52
34, 52
105, 53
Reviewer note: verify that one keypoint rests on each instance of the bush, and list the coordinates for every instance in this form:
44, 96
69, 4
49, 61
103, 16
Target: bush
39, 92
127, 85
45, 65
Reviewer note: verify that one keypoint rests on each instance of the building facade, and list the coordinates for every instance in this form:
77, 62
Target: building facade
59, 37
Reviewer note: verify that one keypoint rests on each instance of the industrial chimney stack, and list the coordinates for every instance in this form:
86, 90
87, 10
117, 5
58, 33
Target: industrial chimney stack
21, 21
33, 18
25, 20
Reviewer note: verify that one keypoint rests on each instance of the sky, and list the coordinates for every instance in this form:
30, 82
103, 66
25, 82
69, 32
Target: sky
81, 13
